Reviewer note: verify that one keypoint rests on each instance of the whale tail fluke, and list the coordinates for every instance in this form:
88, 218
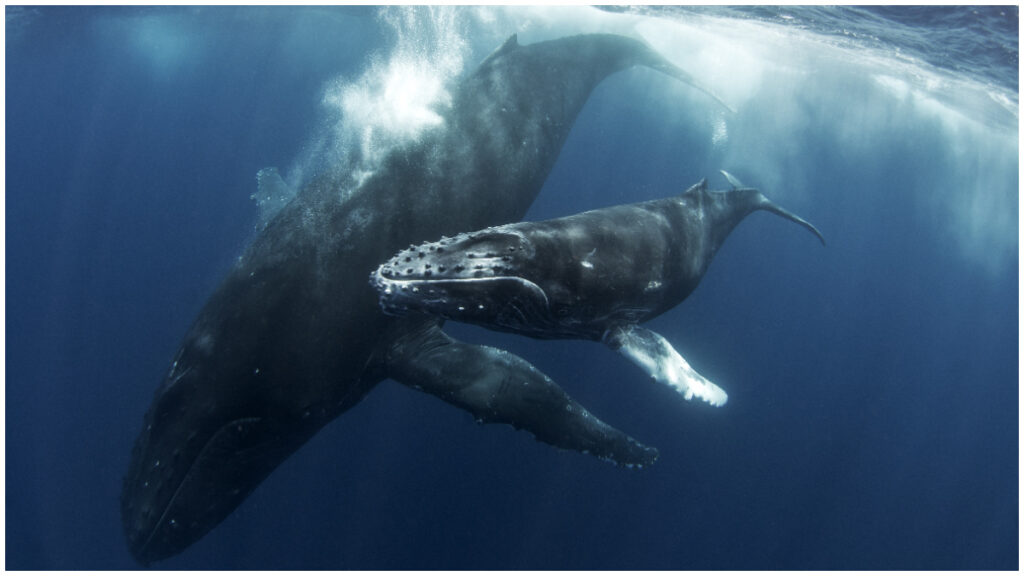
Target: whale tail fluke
666, 67
656, 61
757, 201
776, 209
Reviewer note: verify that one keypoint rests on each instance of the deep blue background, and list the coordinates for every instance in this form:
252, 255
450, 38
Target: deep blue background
873, 411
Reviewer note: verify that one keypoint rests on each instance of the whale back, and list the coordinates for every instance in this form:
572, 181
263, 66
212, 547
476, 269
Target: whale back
516, 113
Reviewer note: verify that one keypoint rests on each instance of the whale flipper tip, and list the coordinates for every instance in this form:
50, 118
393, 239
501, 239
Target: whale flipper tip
653, 354
733, 181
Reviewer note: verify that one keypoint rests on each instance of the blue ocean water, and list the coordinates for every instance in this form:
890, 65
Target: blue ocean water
873, 412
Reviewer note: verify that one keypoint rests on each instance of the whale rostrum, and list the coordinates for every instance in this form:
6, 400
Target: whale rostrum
595, 275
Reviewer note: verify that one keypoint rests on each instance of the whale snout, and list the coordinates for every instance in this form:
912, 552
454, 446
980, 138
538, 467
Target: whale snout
198, 457
472, 278
487, 254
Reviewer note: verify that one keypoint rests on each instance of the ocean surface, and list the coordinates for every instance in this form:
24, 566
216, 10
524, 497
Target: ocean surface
872, 420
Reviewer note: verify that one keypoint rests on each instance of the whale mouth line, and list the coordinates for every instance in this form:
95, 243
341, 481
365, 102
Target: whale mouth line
155, 528
385, 280
419, 288
440, 295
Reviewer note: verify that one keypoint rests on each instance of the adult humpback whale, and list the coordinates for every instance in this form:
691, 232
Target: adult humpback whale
293, 336
594, 275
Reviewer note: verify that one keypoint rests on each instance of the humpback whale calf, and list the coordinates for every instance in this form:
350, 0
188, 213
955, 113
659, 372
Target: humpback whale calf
594, 275
293, 336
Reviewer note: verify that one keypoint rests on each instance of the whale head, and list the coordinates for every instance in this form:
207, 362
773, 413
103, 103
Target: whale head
486, 278
205, 445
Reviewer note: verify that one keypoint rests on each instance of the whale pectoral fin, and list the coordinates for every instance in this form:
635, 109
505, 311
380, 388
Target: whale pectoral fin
497, 386
651, 352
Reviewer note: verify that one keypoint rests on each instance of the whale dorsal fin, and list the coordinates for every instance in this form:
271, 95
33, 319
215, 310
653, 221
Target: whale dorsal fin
701, 186
509, 45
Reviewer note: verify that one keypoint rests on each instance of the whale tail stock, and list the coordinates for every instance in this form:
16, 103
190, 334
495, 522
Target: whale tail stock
617, 53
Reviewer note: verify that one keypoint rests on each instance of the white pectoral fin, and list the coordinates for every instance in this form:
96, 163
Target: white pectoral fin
651, 352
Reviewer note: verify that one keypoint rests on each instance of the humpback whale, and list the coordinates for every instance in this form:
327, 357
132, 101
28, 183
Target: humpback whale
595, 275
293, 336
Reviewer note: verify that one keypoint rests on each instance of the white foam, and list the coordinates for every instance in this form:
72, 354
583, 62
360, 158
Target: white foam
400, 95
